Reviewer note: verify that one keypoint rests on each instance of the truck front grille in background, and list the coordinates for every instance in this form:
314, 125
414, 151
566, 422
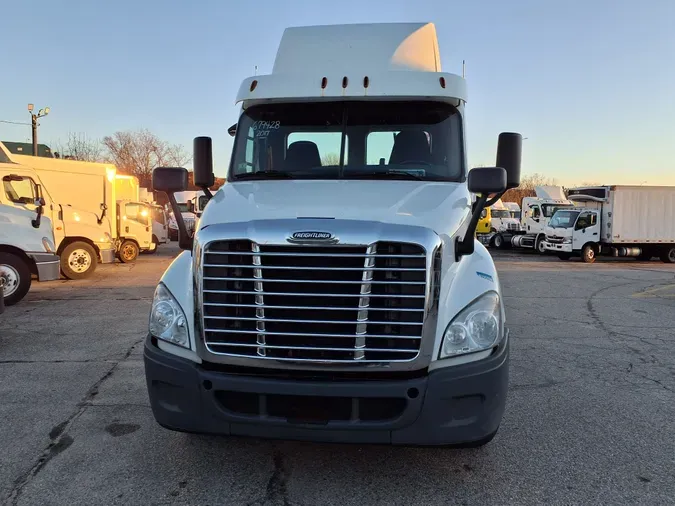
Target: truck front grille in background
314, 303
554, 239
512, 226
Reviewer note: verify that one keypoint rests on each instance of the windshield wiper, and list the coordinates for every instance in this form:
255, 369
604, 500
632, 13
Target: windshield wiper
264, 174
384, 175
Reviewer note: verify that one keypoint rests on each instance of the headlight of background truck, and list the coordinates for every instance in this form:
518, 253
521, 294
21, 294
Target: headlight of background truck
477, 327
167, 319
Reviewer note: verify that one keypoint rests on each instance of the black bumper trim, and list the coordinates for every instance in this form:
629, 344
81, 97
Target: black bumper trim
454, 405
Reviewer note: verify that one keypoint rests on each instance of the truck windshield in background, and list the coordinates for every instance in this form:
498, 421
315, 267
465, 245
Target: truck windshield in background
564, 219
349, 140
501, 213
549, 209
183, 207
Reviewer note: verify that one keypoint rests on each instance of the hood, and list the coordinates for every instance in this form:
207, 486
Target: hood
16, 229
549, 231
443, 207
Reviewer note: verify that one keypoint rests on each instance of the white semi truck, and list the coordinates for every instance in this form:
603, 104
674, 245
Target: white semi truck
619, 221
27, 246
346, 300
186, 204
535, 215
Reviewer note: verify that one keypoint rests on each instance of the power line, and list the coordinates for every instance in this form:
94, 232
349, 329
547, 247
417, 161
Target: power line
14, 122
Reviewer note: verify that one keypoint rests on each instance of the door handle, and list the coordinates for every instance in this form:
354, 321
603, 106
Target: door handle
595, 233
126, 229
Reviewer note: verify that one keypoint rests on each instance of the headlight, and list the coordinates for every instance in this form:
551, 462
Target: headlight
567, 240
477, 327
167, 320
48, 244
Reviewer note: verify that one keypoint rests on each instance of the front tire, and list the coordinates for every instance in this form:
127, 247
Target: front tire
539, 246
78, 260
128, 252
498, 241
16, 276
588, 254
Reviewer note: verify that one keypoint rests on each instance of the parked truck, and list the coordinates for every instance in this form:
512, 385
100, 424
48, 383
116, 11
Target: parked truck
27, 246
536, 213
82, 237
85, 194
343, 300
186, 204
619, 221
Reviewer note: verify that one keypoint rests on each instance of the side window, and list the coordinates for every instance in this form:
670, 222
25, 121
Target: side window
536, 213
20, 190
594, 219
159, 216
315, 149
137, 212
583, 221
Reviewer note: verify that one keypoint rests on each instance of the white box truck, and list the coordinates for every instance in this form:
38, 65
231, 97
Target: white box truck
619, 221
91, 189
27, 246
82, 237
334, 289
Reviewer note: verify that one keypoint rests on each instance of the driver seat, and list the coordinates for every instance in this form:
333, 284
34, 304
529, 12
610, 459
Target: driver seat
410, 146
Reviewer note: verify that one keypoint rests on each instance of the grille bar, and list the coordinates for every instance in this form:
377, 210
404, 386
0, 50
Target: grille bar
327, 304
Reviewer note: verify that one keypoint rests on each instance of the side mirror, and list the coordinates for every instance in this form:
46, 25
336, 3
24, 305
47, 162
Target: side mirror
509, 153
104, 207
232, 130
486, 180
203, 162
170, 179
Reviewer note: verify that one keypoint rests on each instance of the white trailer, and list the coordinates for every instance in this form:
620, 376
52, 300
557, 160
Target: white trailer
338, 298
620, 221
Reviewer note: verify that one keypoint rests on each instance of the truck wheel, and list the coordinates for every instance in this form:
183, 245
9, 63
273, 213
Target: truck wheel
78, 260
128, 251
588, 254
539, 246
16, 276
564, 256
668, 255
498, 241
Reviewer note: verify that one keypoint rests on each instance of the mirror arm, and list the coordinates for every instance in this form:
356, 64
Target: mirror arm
38, 218
184, 240
465, 246
207, 192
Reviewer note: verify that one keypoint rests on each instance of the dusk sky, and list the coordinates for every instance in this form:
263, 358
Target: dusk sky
590, 83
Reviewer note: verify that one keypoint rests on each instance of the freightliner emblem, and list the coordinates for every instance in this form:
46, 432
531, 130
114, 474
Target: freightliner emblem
312, 236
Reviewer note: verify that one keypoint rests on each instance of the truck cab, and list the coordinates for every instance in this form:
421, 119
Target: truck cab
134, 229
570, 229
27, 246
334, 289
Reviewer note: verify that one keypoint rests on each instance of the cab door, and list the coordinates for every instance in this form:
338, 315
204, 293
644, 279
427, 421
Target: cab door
586, 229
160, 227
135, 223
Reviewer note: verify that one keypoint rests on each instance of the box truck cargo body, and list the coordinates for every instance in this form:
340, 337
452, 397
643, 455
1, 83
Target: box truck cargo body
634, 221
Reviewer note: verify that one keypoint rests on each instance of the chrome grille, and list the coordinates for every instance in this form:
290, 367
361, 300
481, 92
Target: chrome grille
554, 239
314, 303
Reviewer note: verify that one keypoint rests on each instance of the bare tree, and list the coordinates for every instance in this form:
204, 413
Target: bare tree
527, 186
330, 159
139, 152
80, 147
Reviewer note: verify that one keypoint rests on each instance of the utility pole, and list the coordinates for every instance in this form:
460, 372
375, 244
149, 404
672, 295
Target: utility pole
34, 124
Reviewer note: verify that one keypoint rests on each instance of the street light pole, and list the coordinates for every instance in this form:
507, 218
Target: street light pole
34, 124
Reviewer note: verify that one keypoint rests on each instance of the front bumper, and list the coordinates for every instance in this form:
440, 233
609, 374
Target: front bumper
48, 266
453, 405
107, 255
557, 246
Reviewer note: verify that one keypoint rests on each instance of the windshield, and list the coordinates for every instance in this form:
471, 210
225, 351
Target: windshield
564, 219
183, 207
516, 214
349, 140
500, 213
550, 209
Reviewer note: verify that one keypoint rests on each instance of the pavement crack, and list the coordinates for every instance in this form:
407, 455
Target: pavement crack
276, 492
60, 440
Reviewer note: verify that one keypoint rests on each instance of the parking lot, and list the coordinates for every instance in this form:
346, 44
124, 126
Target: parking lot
590, 416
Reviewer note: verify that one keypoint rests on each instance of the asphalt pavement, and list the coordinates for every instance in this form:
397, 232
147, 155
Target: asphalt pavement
590, 416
